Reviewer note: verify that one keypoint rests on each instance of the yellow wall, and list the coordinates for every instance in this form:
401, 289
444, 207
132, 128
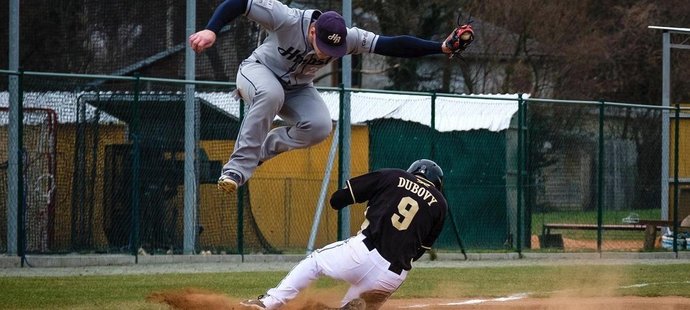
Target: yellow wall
65, 168
683, 148
217, 211
284, 193
683, 164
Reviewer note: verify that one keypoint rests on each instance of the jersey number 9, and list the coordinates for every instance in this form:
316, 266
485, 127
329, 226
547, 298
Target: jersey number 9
407, 208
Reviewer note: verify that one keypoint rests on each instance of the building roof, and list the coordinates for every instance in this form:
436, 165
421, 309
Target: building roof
453, 113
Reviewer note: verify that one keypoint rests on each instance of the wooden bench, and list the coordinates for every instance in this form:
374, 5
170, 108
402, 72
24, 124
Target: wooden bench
546, 229
549, 240
649, 227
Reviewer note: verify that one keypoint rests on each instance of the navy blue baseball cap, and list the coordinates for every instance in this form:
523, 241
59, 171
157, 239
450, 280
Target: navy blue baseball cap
331, 34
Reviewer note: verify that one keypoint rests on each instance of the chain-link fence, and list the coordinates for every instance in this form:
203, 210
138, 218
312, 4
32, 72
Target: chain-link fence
592, 167
103, 168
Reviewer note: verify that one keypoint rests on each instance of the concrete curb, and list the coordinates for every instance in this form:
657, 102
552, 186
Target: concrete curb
77, 260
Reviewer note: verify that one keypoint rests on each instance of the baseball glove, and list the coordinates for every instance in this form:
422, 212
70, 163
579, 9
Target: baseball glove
459, 39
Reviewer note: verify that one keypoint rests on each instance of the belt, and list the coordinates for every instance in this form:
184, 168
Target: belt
393, 267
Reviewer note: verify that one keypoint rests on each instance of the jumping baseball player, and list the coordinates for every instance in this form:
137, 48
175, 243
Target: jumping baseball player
277, 78
403, 218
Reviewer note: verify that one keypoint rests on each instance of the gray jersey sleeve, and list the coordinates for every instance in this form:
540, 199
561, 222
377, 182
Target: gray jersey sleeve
360, 41
270, 14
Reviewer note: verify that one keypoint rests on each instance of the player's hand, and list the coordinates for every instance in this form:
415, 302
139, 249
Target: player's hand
458, 40
202, 40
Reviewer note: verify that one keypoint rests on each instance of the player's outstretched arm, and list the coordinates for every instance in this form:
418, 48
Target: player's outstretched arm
408, 46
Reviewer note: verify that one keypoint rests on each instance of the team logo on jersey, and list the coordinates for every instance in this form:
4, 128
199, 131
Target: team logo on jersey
335, 38
296, 56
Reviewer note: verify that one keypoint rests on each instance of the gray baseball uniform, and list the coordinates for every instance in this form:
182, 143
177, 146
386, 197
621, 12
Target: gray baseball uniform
277, 80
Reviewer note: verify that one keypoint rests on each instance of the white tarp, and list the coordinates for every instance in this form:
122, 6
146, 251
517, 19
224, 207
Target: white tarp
63, 103
491, 112
471, 112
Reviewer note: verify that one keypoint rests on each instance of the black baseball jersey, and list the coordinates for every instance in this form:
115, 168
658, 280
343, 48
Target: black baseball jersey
404, 215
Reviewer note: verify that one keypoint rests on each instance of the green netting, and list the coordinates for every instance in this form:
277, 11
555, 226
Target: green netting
474, 164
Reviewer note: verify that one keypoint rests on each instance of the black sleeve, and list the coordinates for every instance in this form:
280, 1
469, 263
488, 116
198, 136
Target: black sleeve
358, 189
419, 254
406, 46
341, 198
225, 13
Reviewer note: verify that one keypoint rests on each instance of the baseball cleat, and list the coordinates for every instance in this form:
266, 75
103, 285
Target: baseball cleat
228, 183
355, 304
254, 303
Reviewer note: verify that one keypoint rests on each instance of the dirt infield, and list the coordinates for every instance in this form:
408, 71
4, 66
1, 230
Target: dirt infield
558, 303
192, 299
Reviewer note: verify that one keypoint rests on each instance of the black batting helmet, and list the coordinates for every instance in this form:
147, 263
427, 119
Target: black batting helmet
429, 170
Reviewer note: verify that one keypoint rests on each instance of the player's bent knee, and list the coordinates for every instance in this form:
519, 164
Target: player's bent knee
313, 132
321, 130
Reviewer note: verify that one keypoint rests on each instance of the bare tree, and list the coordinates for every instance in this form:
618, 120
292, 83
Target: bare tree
563, 49
582, 49
51, 38
429, 19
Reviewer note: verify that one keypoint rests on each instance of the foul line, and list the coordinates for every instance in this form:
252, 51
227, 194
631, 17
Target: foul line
474, 301
525, 295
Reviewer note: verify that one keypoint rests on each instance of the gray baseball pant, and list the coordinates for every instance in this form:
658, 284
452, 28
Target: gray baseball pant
302, 108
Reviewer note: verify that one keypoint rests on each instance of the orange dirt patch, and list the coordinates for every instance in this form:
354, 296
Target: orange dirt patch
579, 244
193, 299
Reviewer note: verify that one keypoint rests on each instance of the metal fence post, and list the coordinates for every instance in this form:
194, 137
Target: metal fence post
21, 197
343, 165
520, 167
136, 153
676, 190
15, 123
433, 112
191, 140
240, 203
600, 178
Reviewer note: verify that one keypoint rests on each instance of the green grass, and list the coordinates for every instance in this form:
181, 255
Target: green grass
129, 292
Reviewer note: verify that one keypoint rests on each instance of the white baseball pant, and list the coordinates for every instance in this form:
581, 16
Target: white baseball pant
348, 260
